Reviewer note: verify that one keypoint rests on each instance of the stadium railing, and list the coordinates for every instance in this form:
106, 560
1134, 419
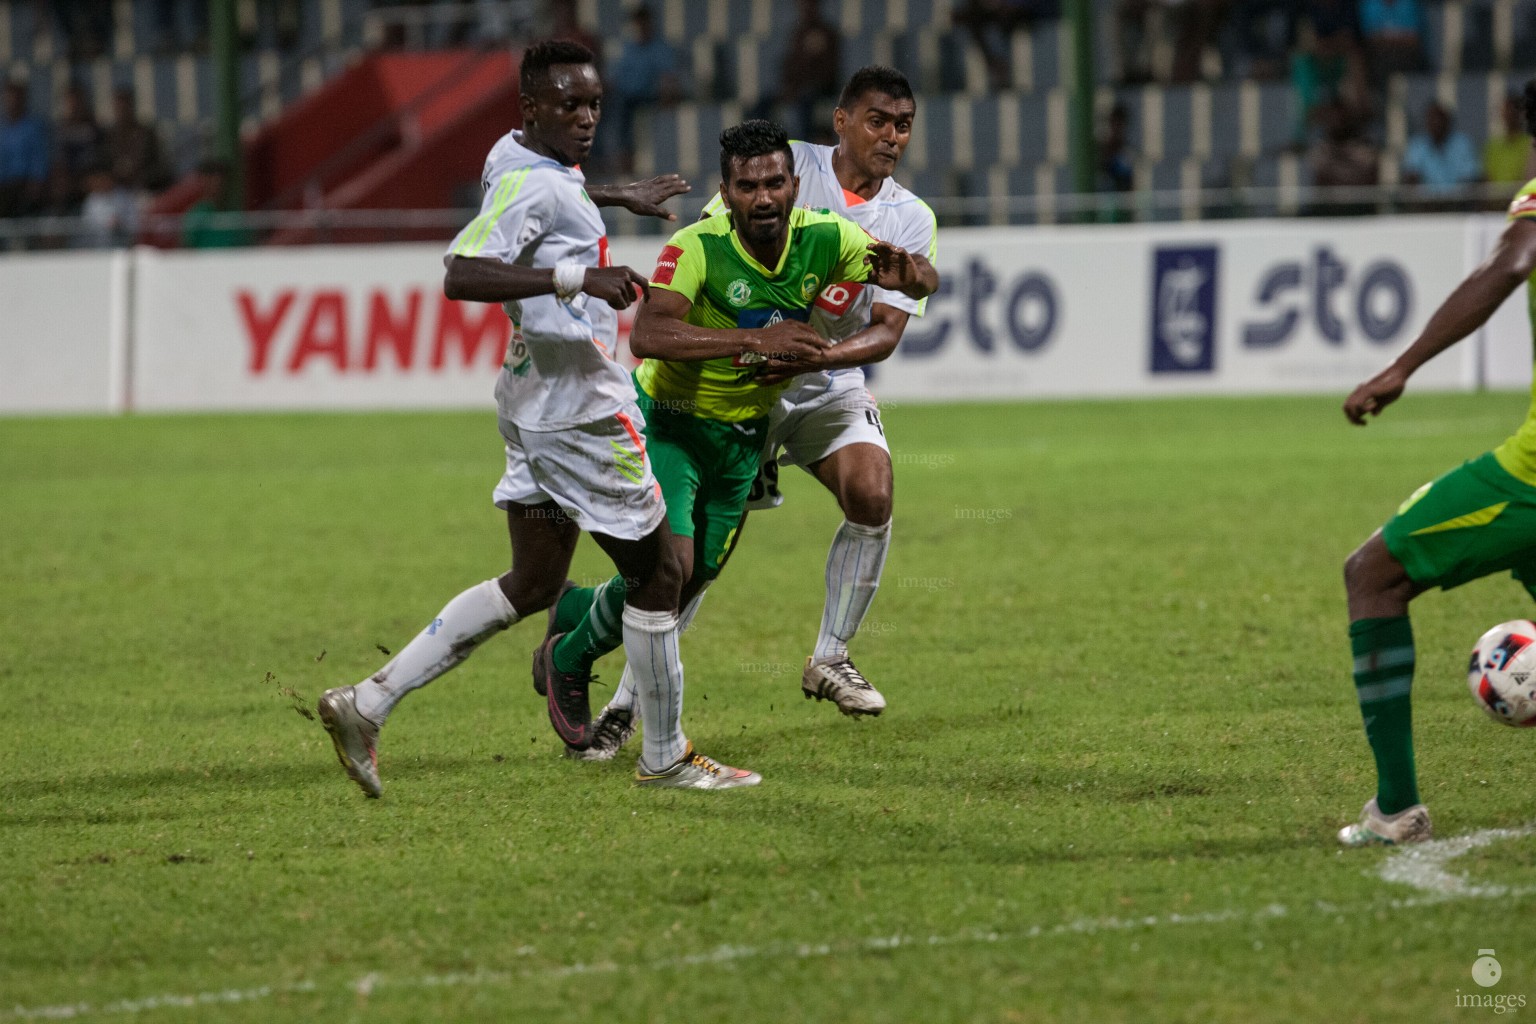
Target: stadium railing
383, 226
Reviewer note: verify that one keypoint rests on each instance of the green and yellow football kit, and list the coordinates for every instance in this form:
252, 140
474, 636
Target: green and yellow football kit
1476, 520
706, 421
1480, 518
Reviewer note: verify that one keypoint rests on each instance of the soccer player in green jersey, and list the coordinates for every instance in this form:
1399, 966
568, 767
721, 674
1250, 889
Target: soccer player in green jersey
729, 305
1476, 520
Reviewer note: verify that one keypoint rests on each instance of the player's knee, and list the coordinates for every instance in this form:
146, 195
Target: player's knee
528, 596
868, 500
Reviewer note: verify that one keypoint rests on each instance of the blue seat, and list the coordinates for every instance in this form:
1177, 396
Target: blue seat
1477, 42
1033, 131
1045, 42
1473, 99
986, 133
1523, 46
1277, 116
1178, 121
657, 139
1226, 121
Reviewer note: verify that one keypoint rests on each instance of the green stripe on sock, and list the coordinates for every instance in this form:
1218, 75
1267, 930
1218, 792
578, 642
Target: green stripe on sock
1383, 663
599, 631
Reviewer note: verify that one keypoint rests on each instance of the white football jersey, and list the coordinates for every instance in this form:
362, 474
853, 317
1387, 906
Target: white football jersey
559, 369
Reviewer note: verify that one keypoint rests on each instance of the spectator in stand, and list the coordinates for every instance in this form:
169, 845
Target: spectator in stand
1115, 163
810, 70
992, 24
648, 73
565, 23
182, 25
133, 147
83, 28
23, 156
110, 214
1440, 159
1193, 24
1393, 32
1504, 156
1329, 63
1342, 156
1266, 36
207, 223
77, 148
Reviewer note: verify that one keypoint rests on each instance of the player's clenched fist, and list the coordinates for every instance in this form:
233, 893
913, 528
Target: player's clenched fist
789, 340
615, 285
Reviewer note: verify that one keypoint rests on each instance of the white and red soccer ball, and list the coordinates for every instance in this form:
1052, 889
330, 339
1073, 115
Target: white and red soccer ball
1502, 673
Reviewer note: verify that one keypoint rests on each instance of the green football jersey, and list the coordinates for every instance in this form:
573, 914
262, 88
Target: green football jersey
1518, 454
707, 265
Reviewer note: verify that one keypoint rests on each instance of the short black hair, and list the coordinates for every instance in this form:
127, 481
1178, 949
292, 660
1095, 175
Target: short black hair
753, 138
1530, 107
540, 57
875, 78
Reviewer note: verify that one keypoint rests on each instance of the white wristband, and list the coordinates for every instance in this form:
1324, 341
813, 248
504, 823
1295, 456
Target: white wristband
570, 276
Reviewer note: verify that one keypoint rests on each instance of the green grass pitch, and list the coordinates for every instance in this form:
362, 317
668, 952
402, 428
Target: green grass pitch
1121, 736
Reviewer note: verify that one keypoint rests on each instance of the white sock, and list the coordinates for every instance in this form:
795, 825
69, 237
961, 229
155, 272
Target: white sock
624, 696
464, 624
854, 564
650, 644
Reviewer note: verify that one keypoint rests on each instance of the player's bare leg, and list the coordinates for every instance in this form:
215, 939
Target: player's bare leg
1381, 641
860, 478
543, 541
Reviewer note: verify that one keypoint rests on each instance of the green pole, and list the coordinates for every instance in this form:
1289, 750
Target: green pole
1080, 97
225, 41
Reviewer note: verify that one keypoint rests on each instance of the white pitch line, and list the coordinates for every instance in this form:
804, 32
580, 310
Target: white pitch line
1422, 865
373, 982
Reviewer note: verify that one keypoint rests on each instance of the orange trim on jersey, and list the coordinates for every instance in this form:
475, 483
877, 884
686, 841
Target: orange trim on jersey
629, 428
853, 198
1523, 206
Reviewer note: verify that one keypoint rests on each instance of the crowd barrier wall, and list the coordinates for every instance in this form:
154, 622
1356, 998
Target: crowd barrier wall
1217, 308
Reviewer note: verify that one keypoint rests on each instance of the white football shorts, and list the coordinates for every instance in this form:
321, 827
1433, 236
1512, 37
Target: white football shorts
805, 427
598, 473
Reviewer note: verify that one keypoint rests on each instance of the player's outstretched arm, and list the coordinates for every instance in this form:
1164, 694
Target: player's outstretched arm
642, 197
1466, 309
660, 332
895, 269
482, 279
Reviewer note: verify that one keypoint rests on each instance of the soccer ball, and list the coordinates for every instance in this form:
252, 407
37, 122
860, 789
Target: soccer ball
1502, 674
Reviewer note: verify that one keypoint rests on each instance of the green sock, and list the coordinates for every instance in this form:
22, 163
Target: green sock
1383, 650
600, 630
572, 608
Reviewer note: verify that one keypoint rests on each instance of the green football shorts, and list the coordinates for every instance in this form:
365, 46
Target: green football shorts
706, 469
1472, 522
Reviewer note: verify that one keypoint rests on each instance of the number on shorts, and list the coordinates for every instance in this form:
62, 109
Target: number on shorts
766, 485
873, 416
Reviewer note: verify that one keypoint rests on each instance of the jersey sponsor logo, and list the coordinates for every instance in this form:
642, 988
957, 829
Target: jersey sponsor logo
1523, 206
764, 318
1184, 309
837, 299
666, 264
809, 285
738, 292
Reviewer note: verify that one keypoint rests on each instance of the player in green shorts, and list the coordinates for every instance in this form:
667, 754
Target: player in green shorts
1478, 519
730, 300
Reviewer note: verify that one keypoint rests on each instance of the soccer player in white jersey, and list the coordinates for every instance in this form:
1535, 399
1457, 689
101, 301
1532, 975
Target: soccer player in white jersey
828, 422
575, 456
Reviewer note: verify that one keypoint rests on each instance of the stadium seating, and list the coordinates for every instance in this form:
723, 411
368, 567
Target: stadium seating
969, 136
